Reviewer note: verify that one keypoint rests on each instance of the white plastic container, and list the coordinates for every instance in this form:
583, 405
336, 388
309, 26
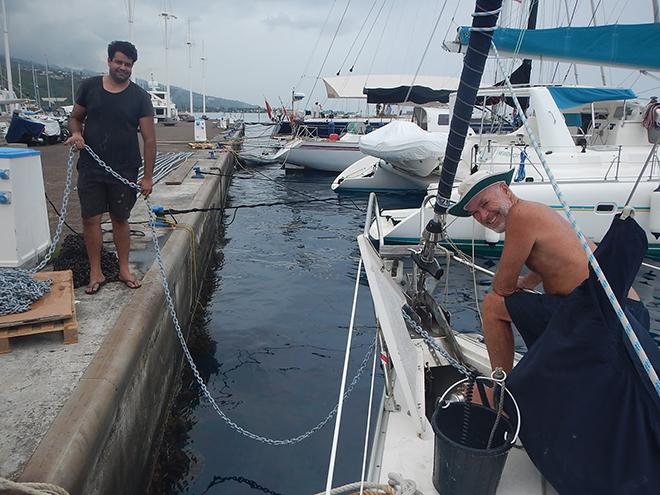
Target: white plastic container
654, 221
23, 215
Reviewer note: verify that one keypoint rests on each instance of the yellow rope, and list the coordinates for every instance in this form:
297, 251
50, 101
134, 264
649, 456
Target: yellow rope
193, 250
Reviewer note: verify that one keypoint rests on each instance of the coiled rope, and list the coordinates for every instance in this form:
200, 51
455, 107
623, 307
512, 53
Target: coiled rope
30, 488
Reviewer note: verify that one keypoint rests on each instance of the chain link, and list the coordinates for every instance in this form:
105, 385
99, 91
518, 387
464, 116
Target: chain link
184, 346
432, 343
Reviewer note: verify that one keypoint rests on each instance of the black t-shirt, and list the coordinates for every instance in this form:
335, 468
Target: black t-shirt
111, 127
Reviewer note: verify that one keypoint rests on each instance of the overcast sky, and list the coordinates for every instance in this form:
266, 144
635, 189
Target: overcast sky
257, 48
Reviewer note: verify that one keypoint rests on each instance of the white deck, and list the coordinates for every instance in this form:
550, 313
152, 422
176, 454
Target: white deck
405, 453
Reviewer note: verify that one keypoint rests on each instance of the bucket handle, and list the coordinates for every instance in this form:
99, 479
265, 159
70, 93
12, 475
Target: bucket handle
493, 380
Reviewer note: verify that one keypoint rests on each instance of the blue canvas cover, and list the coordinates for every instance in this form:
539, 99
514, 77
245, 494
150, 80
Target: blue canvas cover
22, 130
623, 45
590, 416
567, 97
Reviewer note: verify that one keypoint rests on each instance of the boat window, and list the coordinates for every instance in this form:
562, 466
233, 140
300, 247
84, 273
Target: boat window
605, 208
443, 119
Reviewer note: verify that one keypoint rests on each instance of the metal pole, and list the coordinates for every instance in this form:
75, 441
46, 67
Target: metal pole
10, 84
131, 19
168, 111
190, 91
35, 84
20, 82
203, 59
593, 18
48, 85
73, 89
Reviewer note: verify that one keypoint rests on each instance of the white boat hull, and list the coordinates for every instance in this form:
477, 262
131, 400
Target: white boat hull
327, 156
371, 174
404, 226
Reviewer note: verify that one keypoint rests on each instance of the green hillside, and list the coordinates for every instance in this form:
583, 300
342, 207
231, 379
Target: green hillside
59, 80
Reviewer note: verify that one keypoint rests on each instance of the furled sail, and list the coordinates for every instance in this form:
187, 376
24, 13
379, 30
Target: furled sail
622, 45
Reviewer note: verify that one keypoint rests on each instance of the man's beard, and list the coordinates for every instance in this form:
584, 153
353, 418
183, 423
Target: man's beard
502, 212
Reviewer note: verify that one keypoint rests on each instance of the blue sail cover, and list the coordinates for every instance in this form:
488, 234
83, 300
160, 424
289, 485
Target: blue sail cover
625, 45
568, 97
589, 411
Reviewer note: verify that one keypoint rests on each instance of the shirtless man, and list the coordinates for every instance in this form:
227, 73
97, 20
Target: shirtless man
536, 236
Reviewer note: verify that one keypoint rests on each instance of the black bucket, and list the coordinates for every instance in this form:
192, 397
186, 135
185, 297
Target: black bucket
468, 467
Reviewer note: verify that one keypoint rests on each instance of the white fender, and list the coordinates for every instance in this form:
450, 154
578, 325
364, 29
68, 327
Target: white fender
492, 237
654, 217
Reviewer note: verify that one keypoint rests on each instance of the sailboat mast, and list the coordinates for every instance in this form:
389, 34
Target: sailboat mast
203, 59
168, 110
73, 89
35, 85
593, 18
20, 82
131, 19
48, 85
190, 91
483, 23
10, 83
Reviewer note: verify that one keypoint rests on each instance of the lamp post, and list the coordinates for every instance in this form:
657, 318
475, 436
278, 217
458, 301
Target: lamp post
203, 59
168, 111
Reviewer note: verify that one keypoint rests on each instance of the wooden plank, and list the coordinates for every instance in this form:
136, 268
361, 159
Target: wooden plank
179, 175
57, 304
68, 327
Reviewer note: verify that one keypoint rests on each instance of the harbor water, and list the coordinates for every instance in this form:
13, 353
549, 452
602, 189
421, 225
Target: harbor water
270, 336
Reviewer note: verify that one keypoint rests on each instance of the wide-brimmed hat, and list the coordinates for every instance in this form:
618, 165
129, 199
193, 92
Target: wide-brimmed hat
473, 185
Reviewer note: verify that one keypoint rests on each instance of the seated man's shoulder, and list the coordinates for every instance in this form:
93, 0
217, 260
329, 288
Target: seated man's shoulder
530, 210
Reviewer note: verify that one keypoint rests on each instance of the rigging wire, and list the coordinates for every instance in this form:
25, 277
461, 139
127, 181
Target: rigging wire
316, 44
380, 39
356, 37
428, 44
570, 23
364, 42
325, 59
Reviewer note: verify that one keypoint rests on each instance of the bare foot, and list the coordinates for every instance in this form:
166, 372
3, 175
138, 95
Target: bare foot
131, 281
94, 286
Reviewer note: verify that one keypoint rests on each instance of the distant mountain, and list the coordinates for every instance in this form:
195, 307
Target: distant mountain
59, 80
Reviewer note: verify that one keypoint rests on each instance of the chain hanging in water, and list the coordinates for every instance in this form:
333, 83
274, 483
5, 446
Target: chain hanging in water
184, 346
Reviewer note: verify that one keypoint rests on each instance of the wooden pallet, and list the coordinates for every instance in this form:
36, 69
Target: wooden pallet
55, 312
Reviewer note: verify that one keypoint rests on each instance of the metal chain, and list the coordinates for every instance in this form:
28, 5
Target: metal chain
62, 217
184, 346
432, 343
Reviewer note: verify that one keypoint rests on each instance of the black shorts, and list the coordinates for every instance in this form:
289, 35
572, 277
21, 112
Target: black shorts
98, 195
531, 313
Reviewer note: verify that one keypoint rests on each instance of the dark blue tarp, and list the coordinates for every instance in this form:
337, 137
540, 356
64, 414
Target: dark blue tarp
590, 416
418, 94
22, 130
624, 45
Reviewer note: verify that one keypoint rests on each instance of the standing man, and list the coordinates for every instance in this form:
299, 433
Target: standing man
106, 116
541, 239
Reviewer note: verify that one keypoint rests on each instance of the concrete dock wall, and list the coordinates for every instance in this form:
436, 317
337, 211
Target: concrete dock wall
103, 440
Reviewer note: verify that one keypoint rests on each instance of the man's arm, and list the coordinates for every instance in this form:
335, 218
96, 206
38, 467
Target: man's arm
518, 244
76, 120
148, 131
529, 281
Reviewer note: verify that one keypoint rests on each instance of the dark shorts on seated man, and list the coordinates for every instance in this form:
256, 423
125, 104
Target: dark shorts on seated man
531, 313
